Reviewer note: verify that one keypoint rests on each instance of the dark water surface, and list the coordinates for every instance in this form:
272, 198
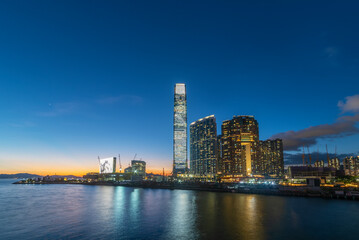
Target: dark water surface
106, 212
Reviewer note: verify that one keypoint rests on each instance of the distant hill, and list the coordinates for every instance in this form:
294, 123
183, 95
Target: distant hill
29, 175
64, 176
19, 175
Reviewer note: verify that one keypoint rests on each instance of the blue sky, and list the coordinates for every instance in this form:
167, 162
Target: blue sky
86, 78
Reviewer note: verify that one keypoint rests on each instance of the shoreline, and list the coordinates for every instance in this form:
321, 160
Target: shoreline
278, 190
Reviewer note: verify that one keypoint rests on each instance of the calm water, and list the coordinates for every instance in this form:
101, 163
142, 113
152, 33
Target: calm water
105, 212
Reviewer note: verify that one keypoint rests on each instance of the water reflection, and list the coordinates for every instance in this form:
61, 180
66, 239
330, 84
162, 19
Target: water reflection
182, 216
105, 212
225, 216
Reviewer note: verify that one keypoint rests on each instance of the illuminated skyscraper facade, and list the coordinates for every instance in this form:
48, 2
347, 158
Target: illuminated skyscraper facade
239, 147
271, 157
203, 148
180, 164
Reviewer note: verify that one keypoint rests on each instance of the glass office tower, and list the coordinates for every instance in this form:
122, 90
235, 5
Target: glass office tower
180, 130
271, 157
203, 148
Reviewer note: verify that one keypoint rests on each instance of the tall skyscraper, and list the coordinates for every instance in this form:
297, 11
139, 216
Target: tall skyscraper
203, 148
180, 165
271, 157
239, 147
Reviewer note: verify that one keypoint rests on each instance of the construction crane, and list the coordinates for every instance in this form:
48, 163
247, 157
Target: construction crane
303, 157
335, 151
134, 158
310, 157
326, 147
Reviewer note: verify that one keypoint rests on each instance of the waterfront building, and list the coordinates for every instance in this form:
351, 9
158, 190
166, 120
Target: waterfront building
319, 163
107, 165
351, 165
128, 169
271, 157
94, 177
335, 163
303, 172
138, 169
203, 148
219, 154
239, 147
180, 164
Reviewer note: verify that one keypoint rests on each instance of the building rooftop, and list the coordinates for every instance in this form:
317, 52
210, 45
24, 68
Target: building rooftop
201, 119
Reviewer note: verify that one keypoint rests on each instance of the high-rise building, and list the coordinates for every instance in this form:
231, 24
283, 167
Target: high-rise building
334, 163
239, 147
351, 165
180, 164
203, 148
271, 157
219, 154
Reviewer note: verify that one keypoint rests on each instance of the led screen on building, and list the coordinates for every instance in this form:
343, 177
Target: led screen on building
107, 165
180, 130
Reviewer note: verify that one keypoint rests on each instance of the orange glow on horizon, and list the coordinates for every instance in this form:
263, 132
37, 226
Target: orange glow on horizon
78, 173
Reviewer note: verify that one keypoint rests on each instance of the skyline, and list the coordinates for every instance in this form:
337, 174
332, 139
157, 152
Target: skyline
94, 80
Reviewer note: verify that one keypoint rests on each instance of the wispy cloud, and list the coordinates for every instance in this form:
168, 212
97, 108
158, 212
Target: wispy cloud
332, 55
67, 108
126, 99
351, 104
59, 109
344, 126
331, 52
22, 124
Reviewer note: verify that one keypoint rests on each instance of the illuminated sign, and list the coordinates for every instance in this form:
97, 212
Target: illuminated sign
107, 165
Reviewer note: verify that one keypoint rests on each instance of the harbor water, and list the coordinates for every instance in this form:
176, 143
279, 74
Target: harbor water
65, 211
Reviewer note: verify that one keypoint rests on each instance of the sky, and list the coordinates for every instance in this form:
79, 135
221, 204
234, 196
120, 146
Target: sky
82, 79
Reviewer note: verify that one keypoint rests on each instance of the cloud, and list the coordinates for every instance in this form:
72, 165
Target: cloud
66, 108
129, 99
25, 124
59, 109
351, 104
344, 126
331, 52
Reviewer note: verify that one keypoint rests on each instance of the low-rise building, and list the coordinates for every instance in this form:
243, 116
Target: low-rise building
304, 172
335, 163
351, 165
138, 169
319, 164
